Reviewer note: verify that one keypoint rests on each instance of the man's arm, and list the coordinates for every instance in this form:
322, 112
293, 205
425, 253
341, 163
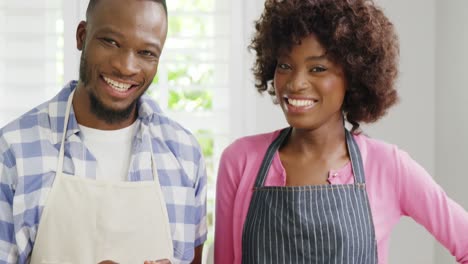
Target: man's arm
8, 248
200, 201
198, 255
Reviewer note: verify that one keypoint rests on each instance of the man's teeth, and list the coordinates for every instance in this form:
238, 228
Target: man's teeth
117, 85
300, 103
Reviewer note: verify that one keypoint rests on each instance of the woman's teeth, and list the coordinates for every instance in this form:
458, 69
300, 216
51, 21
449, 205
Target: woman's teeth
300, 103
122, 87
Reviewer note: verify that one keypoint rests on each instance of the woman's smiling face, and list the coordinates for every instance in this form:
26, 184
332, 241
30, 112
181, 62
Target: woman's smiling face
309, 86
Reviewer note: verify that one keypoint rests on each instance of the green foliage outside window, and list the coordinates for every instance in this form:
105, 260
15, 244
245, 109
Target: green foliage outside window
184, 72
192, 5
190, 100
205, 139
186, 75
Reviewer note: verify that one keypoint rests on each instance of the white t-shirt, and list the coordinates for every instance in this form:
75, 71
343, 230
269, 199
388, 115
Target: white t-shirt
112, 150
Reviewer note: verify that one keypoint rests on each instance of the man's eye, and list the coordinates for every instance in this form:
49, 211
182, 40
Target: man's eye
110, 41
147, 53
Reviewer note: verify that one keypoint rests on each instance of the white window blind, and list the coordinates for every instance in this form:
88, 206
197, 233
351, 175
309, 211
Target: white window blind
31, 54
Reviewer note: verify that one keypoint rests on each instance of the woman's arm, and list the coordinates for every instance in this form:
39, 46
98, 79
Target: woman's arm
226, 188
425, 201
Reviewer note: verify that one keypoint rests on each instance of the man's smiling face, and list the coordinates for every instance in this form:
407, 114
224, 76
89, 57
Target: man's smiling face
121, 44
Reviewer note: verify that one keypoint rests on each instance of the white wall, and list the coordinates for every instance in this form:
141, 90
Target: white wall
451, 103
412, 123
251, 113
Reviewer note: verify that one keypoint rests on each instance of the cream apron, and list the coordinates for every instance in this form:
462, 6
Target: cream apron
86, 221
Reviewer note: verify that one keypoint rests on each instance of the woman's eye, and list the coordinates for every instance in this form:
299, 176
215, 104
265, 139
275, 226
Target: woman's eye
318, 69
283, 66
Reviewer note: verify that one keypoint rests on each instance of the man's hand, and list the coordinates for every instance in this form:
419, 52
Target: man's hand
161, 261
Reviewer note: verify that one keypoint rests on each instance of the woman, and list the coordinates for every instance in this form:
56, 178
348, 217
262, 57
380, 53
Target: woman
315, 192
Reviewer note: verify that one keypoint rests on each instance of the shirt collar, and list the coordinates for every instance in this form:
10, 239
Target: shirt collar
147, 110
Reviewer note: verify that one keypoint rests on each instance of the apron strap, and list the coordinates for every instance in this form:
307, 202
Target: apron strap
153, 160
62, 144
353, 150
265, 167
356, 159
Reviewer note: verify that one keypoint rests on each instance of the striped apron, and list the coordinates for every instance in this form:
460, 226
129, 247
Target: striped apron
309, 224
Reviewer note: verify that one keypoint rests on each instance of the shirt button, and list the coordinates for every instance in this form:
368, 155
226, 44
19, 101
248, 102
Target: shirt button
334, 175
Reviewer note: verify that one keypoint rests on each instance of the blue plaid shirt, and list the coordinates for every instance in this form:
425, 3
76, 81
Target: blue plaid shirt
29, 148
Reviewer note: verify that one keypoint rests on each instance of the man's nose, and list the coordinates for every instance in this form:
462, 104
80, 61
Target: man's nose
125, 63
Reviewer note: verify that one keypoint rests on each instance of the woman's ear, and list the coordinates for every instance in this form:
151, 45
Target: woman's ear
81, 35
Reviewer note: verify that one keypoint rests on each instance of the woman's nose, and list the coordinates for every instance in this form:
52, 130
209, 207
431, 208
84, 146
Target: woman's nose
298, 82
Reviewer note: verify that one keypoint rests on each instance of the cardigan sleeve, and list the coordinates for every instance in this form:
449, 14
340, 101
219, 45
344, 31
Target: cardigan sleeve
226, 188
422, 199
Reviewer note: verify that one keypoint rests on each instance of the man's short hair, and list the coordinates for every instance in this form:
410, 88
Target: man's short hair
92, 4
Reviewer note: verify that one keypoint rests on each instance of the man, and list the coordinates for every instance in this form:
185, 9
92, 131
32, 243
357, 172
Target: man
98, 174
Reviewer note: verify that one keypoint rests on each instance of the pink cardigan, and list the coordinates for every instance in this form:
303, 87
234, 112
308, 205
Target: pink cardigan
396, 185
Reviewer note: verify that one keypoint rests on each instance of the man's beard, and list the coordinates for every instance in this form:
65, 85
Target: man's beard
101, 111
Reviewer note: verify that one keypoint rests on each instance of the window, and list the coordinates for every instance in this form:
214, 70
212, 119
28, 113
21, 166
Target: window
31, 54
192, 84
